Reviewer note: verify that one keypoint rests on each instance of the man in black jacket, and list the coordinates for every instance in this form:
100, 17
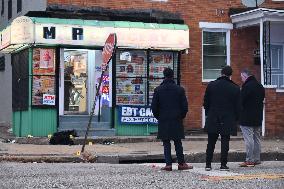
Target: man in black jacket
252, 97
169, 106
221, 104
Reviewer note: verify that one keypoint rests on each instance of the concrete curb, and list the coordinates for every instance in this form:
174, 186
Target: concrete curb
128, 158
102, 140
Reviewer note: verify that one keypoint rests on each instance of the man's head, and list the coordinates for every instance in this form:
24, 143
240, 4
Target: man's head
245, 73
168, 73
227, 71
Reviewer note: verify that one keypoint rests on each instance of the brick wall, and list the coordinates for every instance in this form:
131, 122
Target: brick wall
243, 41
274, 113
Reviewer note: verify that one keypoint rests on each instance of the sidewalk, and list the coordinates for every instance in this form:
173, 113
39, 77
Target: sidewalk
130, 150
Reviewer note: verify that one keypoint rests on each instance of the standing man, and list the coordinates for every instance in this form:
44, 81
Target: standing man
169, 106
221, 103
252, 97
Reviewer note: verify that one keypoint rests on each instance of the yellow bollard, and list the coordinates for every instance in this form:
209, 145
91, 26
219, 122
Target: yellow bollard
78, 153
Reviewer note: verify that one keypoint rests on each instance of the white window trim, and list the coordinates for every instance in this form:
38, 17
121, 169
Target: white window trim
217, 27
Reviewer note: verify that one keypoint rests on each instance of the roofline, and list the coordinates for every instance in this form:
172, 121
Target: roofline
258, 10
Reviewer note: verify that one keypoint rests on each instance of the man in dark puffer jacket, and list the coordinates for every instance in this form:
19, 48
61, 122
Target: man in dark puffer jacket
252, 96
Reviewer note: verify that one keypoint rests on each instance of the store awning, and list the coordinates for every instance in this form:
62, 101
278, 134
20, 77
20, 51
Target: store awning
257, 16
26, 31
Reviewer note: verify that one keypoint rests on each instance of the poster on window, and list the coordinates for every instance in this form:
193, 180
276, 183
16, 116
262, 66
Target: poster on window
43, 61
43, 86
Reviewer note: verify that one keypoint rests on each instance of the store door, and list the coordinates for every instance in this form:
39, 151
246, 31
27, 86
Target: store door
80, 71
75, 82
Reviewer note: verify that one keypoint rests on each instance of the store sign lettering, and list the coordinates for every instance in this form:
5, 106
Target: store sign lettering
77, 33
136, 115
48, 99
50, 33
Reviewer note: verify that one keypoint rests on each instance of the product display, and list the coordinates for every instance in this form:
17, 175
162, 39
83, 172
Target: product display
158, 62
136, 77
130, 91
131, 64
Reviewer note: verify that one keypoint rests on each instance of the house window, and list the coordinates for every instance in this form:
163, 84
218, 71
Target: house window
19, 6
214, 54
2, 7
215, 49
9, 9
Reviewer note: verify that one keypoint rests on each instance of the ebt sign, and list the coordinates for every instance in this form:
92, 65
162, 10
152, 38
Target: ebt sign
136, 115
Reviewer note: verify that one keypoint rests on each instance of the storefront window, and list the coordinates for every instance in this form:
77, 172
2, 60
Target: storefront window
158, 62
43, 88
138, 73
131, 73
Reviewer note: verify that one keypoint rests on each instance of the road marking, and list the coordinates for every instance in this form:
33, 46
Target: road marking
213, 172
243, 177
217, 175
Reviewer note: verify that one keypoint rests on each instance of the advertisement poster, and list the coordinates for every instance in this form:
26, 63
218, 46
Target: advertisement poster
48, 99
136, 115
43, 61
42, 85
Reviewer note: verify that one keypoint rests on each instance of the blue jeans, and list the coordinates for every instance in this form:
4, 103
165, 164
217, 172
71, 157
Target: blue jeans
167, 151
252, 141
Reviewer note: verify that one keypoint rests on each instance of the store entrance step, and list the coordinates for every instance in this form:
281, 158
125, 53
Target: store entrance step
70, 118
69, 122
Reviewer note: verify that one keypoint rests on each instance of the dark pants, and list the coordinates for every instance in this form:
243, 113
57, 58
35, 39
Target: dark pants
212, 139
167, 151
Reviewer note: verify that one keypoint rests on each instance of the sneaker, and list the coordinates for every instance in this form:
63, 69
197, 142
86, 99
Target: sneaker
224, 168
184, 166
208, 167
167, 168
247, 164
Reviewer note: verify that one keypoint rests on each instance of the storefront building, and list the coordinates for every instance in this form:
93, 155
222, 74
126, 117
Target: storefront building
56, 67
236, 33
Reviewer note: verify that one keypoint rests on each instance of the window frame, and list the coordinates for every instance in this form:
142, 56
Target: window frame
2, 7
2, 63
10, 9
215, 27
19, 6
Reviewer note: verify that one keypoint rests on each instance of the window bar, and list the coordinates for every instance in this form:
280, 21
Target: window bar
264, 54
269, 53
148, 77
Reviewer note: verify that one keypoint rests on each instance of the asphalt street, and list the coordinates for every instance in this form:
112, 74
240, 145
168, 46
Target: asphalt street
87, 175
